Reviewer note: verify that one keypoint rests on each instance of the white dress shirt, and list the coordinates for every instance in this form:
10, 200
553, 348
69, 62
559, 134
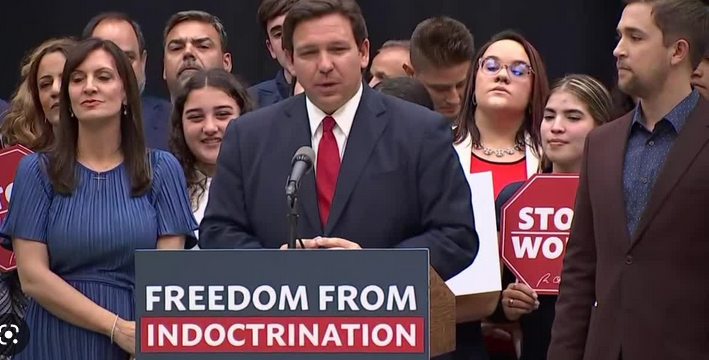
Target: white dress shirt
344, 117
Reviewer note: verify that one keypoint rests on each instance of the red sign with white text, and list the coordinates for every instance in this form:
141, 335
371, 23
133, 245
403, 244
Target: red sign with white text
9, 160
535, 226
274, 334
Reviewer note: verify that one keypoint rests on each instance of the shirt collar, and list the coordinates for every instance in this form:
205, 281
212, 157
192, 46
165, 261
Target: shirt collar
344, 116
677, 117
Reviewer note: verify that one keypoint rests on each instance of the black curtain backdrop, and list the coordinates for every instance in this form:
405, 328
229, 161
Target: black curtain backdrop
573, 36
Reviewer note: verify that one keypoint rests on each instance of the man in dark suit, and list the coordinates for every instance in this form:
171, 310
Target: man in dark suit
126, 34
634, 271
387, 174
271, 14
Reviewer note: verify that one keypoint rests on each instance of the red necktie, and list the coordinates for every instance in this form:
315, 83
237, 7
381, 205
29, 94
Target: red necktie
327, 168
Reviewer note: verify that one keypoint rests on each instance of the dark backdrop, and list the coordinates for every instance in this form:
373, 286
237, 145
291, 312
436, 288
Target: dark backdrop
572, 35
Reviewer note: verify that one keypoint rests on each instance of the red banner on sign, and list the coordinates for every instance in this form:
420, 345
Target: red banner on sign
273, 334
535, 226
9, 160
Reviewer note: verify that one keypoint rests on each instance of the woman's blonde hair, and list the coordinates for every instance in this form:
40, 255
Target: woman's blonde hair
24, 121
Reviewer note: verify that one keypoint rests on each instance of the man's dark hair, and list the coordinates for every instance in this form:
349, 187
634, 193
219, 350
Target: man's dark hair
199, 16
305, 10
406, 88
114, 16
682, 19
270, 9
441, 42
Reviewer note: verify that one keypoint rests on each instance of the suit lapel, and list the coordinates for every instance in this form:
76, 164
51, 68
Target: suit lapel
367, 128
464, 150
690, 141
299, 135
611, 161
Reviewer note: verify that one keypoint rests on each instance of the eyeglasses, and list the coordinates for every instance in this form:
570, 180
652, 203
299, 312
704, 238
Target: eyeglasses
492, 66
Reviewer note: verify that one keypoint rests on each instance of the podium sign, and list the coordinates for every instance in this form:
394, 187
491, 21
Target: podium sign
282, 304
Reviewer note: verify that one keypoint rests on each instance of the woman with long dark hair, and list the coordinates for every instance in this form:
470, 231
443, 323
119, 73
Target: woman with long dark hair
497, 131
498, 126
90, 201
209, 100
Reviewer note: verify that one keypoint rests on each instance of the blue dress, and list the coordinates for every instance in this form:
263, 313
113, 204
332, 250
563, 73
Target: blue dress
90, 237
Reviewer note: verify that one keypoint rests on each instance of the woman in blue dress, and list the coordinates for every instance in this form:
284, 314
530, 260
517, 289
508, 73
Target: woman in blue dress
80, 210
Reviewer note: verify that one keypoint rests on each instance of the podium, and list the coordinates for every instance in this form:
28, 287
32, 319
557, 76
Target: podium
443, 315
291, 304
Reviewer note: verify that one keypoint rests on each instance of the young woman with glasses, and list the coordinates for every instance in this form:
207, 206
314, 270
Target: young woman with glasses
498, 126
497, 130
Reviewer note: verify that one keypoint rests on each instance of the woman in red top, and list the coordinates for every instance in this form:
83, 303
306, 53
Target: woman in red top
498, 126
497, 130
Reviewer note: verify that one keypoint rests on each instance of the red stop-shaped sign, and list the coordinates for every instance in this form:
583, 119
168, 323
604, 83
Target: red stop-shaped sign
535, 225
9, 159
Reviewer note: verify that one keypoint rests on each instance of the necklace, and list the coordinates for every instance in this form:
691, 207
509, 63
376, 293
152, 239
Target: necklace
499, 152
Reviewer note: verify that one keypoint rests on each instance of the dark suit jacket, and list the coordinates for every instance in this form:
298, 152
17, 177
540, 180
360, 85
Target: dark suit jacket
156, 122
400, 183
271, 91
650, 286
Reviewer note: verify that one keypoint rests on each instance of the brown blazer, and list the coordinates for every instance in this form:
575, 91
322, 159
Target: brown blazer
648, 297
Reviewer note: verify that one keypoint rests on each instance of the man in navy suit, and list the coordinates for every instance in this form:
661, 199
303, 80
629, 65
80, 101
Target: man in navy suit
387, 173
271, 14
126, 34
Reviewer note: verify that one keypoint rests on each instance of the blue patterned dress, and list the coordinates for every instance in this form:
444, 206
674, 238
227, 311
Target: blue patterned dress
90, 237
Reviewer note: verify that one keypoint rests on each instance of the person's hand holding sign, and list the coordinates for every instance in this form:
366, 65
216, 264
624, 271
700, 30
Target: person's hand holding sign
517, 300
326, 243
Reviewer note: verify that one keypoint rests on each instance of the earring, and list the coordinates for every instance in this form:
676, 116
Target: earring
71, 113
475, 101
125, 110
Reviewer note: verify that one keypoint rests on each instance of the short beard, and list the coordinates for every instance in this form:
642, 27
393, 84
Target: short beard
642, 88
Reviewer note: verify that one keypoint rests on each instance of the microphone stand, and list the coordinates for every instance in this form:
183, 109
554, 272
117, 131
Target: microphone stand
292, 220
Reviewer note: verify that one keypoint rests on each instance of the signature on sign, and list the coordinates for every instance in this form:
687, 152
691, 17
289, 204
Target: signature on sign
545, 279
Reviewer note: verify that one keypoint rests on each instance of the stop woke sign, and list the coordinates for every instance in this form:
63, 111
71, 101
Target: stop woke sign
535, 226
9, 160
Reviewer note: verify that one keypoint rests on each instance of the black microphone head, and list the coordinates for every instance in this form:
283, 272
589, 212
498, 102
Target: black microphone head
305, 153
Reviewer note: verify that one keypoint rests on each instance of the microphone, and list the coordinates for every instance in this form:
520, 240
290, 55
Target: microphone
300, 165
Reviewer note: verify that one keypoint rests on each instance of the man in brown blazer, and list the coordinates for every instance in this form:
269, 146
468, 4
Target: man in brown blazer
634, 282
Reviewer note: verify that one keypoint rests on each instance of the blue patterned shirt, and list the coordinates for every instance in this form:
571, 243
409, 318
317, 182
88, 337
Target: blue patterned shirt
646, 153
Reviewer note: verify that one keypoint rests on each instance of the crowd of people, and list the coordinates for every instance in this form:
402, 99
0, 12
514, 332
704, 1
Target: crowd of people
395, 131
